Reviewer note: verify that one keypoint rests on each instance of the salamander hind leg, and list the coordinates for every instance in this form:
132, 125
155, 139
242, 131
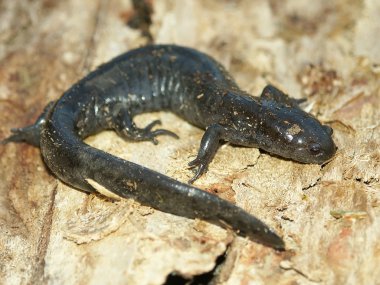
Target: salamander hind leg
124, 126
30, 134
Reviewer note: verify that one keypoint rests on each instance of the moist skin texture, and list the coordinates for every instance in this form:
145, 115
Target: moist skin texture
194, 86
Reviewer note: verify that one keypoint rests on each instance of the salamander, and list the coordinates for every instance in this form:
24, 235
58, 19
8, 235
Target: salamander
197, 88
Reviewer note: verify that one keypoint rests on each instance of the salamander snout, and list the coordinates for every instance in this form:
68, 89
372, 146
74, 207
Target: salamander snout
319, 146
321, 153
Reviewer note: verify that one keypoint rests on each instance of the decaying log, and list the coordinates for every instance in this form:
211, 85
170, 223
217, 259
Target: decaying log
329, 216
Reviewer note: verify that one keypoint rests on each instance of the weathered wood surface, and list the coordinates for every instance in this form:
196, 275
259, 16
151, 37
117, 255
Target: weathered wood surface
329, 217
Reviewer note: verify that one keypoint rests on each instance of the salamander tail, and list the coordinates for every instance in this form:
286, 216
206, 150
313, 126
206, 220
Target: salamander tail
163, 193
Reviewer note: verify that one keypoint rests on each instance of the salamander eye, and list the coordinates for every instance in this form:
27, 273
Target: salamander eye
328, 130
315, 148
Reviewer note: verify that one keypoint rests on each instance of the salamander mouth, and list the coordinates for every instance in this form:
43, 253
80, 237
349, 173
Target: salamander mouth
322, 156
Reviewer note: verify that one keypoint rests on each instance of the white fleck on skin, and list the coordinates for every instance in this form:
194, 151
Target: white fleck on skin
102, 190
289, 137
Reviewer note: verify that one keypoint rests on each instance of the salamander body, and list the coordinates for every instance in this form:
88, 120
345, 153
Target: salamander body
195, 87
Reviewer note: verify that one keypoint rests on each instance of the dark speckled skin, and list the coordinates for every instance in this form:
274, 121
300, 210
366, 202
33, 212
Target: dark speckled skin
195, 87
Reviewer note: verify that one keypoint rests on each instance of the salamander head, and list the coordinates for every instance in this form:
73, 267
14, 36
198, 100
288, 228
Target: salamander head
292, 133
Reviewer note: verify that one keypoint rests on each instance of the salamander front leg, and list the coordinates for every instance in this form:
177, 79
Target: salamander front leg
209, 146
127, 129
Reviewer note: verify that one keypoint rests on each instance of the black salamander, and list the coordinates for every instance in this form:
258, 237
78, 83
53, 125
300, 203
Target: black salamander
198, 89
